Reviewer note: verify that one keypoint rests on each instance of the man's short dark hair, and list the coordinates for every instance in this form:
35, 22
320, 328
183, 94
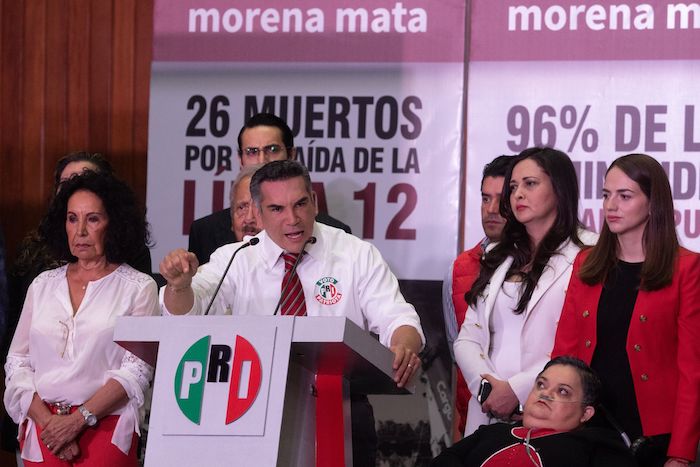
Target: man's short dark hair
497, 167
276, 171
96, 159
265, 119
590, 383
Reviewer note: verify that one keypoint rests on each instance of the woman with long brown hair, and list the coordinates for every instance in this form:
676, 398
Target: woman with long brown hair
515, 302
632, 311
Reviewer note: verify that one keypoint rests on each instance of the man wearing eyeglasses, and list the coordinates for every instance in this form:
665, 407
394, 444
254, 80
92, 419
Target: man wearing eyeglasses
264, 138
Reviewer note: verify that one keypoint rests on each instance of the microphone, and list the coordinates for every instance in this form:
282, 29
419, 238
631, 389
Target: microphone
253, 241
310, 241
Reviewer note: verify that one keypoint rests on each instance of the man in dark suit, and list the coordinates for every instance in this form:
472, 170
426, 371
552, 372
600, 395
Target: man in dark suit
264, 138
209, 233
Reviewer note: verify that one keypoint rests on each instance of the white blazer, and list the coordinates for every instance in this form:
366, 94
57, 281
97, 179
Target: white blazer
473, 345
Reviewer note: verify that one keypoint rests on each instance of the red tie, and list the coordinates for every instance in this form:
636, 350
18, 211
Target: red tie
293, 302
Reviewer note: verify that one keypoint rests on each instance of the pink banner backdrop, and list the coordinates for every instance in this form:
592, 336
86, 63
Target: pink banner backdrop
593, 81
577, 30
309, 31
376, 112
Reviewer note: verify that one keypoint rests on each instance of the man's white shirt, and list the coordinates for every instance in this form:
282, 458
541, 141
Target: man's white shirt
341, 275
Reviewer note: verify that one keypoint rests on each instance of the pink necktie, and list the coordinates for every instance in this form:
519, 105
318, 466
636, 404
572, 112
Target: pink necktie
293, 302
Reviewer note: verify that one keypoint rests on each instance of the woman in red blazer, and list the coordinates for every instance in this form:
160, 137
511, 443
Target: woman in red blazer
632, 311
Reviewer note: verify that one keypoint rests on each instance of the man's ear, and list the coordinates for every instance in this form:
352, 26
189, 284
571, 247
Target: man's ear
588, 413
292, 154
314, 199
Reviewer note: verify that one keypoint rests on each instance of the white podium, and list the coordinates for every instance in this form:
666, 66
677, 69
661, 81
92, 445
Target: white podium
255, 391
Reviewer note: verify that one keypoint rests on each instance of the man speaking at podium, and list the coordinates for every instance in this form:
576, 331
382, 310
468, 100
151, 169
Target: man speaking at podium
300, 267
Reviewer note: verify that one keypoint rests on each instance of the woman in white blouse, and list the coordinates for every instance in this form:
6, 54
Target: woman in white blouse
514, 304
73, 391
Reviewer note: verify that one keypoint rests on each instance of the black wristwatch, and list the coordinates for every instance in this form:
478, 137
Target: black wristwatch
89, 417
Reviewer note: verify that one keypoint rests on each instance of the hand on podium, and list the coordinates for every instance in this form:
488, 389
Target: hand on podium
405, 344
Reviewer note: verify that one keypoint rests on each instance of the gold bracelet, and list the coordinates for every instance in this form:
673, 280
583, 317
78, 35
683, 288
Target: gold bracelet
179, 290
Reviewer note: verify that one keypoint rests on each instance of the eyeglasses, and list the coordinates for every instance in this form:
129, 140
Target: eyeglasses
269, 150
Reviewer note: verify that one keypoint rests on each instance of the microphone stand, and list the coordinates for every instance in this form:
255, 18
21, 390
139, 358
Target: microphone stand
253, 241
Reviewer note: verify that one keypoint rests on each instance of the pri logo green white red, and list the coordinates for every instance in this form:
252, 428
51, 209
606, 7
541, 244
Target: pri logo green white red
243, 374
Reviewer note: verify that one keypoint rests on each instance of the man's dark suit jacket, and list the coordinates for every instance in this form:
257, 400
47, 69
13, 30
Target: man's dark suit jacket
210, 232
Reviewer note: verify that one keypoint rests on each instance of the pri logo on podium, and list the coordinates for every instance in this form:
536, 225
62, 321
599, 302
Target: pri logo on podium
205, 364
